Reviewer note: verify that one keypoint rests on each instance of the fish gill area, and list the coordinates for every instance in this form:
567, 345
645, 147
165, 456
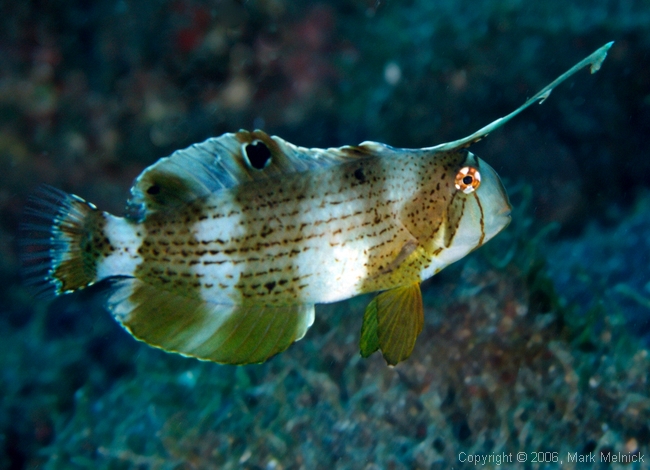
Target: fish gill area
537, 342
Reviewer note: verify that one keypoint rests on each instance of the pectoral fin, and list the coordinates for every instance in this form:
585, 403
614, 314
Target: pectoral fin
392, 323
407, 248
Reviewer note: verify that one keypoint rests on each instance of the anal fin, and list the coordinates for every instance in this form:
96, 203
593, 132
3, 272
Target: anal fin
227, 334
392, 323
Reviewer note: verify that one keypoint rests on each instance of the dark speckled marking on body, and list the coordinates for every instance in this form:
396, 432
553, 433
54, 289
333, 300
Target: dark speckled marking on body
260, 279
272, 239
168, 245
423, 215
275, 231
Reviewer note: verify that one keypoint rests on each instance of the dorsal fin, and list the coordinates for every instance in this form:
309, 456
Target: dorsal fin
226, 161
594, 61
231, 159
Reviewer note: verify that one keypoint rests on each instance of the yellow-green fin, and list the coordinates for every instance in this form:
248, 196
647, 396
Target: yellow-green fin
59, 249
228, 334
392, 323
369, 342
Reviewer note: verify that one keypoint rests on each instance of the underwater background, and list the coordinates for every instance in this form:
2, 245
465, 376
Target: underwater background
536, 343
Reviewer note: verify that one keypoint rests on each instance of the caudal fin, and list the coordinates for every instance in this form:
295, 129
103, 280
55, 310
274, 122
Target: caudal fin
57, 242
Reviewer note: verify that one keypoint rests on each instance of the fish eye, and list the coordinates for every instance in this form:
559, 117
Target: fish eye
468, 179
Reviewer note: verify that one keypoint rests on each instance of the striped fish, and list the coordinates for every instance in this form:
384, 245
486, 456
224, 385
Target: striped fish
229, 244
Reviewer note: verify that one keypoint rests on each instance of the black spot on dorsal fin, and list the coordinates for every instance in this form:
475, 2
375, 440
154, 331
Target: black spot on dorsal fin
153, 189
258, 155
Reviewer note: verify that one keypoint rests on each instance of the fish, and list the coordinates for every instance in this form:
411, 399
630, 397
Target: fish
227, 245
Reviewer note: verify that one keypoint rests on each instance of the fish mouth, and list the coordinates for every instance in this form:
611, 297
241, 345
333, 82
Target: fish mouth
504, 216
506, 219
505, 211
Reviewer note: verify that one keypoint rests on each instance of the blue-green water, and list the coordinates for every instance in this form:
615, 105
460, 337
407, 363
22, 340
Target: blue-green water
535, 347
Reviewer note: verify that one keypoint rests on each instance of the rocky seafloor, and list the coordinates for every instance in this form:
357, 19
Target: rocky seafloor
506, 363
538, 342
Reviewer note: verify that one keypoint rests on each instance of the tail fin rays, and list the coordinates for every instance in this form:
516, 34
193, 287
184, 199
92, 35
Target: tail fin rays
56, 250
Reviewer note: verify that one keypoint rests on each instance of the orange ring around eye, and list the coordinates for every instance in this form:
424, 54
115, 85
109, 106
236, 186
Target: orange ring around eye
468, 179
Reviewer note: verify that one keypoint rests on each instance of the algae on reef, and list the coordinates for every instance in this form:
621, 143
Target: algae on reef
503, 366
521, 347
